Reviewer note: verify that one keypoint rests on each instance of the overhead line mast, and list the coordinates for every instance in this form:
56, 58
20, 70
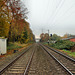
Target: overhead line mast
48, 34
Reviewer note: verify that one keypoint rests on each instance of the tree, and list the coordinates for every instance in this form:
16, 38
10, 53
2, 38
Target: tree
4, 21
42, 37
13, 22
25, 36
55, 37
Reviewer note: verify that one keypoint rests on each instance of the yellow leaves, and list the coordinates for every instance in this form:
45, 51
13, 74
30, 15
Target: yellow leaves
11, 16
4, 26
27, 40
4, 31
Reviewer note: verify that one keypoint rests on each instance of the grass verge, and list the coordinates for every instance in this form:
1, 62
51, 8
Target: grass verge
13, 46
70, 53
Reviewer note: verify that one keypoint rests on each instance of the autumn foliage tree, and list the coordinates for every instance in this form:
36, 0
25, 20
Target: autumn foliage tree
4, 20
13, 24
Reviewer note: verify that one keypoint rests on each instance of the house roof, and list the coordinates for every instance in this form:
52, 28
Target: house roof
68, 38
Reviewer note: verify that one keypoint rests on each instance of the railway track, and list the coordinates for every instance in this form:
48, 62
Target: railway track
69, 58
37, 60
43, 64
66, 62
28, 65
19, 66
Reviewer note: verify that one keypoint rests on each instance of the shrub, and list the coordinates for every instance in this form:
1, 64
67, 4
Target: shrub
63, 44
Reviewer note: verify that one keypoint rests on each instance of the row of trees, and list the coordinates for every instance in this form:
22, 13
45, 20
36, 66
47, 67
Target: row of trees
56, 42
45, 37
13, 24
68, 35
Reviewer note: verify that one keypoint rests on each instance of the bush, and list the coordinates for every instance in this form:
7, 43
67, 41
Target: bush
13, 46
63, 44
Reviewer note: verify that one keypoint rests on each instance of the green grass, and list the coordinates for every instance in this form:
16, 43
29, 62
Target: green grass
45, 43
13, 46
66, 51
70, 53
63, 44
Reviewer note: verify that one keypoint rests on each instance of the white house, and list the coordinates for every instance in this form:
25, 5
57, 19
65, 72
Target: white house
3, 45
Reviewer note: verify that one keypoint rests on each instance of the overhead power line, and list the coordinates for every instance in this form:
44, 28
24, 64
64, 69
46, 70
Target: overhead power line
67, 11
55, 12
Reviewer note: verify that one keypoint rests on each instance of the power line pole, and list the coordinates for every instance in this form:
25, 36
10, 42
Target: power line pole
42, 30
48, 34
48, 37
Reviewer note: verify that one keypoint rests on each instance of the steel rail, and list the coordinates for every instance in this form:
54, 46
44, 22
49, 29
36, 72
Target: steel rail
61, 54
13, 61
69, 72
28, 65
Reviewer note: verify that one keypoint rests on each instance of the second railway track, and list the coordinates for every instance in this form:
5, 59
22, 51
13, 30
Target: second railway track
65, 60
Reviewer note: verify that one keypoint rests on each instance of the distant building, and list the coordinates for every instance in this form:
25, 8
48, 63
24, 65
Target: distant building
71, 39
3, 45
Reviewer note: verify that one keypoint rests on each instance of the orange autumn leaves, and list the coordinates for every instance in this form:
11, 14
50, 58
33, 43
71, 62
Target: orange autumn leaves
12, 21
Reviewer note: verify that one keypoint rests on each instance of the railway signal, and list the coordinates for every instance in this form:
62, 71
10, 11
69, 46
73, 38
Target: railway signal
50, 35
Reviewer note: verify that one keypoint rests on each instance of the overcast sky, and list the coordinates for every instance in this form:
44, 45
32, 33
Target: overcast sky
57, 16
